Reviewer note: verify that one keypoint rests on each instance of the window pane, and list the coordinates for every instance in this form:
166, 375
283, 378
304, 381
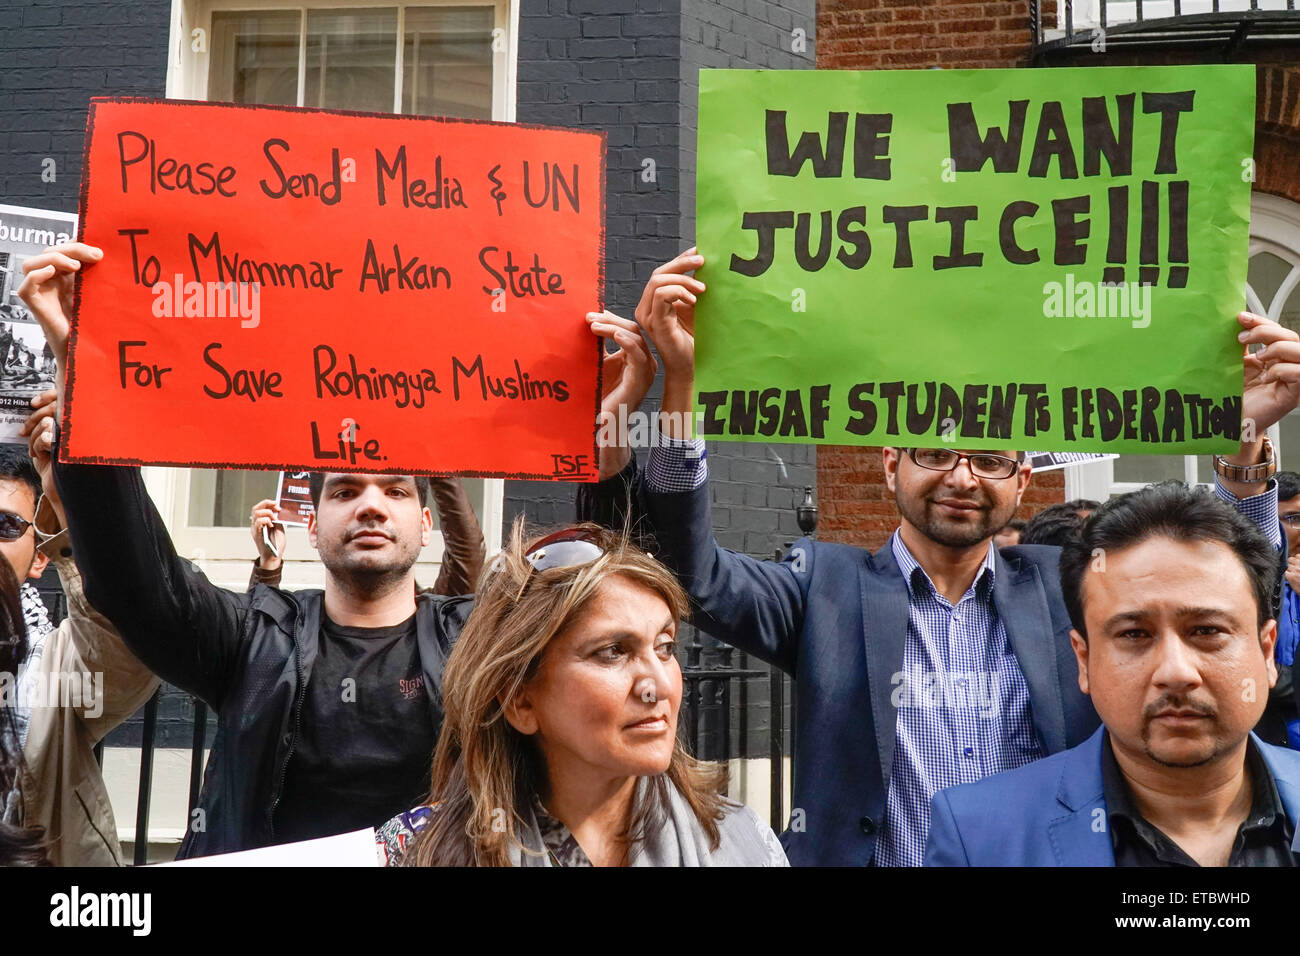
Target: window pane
447, 62
255, 57
1149, 468
1145, 468
225, 498
1265, 275
351, 59
1289, 434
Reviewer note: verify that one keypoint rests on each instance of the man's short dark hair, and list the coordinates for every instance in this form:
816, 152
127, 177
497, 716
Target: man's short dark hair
16, 465
316, 483
1288, 485
1057, 524
1172, 510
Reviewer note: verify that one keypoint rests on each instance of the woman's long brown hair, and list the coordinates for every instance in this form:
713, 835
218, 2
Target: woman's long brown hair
485, 772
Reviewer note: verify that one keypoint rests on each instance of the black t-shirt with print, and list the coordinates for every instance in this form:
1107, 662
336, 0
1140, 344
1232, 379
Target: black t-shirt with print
366, 739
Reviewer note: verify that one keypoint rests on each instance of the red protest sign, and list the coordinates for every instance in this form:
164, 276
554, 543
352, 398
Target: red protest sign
288, 289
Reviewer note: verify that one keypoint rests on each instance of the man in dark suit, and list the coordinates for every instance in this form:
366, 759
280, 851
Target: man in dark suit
1170, 592
938, 660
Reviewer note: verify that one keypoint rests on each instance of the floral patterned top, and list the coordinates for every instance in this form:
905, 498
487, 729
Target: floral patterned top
394, 838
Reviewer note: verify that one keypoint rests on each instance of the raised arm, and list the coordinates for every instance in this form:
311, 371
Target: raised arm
755, 605
462, 538
181, 626
1270, 391
268, 566
627, 373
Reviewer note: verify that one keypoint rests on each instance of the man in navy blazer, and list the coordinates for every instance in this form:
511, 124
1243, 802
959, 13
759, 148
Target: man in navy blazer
1170, 592
937, 660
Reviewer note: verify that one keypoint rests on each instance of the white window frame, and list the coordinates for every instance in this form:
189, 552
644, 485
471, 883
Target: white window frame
225, 554
1275, 228
1086, 14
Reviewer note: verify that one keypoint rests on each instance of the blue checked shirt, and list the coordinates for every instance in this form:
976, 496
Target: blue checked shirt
962, 704
962, 700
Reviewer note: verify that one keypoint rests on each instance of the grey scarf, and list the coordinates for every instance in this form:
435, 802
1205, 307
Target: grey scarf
675, 837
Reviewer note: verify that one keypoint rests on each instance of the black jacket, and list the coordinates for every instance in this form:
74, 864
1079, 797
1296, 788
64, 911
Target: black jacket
248, 654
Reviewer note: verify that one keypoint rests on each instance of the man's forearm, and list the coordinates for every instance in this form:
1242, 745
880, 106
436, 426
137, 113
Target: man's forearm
463, 548
168, 614
676, 418
613, 503
754, 605
268, 576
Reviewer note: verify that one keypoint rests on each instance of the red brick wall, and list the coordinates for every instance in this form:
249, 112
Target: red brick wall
893, 34
855, 507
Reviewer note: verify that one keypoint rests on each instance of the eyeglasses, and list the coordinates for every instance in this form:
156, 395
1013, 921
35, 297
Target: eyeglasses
12, 526
981, 465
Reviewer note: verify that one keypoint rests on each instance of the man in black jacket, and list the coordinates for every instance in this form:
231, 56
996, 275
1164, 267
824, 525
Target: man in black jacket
328, 702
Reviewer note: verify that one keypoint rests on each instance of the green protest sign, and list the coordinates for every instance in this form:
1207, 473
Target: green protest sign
984, 258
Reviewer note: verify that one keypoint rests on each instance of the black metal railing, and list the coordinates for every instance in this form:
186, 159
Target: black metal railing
144, 789
732, 709
1066, 26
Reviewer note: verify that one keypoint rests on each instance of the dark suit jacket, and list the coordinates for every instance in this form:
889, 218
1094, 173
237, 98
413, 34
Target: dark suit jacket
1053, 813
835, 617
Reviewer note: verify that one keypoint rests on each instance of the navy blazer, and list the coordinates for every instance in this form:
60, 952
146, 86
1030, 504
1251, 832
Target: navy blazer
835, 617
1053, 813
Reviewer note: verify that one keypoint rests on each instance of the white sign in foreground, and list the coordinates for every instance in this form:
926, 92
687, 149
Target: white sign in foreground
346, 849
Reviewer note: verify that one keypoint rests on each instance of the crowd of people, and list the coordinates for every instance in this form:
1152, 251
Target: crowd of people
1087, 693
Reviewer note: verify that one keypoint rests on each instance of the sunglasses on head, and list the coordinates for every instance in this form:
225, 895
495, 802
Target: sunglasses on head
12, 526
564, 549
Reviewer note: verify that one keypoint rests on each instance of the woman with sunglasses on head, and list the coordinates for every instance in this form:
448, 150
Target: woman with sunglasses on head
559, 746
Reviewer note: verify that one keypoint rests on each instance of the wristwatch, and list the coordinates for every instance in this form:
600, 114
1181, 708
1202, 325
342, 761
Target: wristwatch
1248, 474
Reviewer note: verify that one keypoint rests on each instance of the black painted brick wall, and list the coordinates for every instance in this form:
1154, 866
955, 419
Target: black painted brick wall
54, 56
